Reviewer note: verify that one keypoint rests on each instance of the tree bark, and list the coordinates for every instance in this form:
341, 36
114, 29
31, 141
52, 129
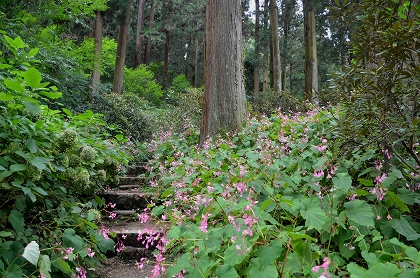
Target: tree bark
311, 59
257, 51
224, 93
149, 39
96, 73
139, 36
275, 44
166, 59
121, 50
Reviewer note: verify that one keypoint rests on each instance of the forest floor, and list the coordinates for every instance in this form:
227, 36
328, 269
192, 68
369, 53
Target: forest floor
115, 269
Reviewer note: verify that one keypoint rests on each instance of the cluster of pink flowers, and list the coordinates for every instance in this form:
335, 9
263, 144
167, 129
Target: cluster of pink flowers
324, 266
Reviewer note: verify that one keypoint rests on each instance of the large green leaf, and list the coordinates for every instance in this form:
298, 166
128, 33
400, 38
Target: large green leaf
342, 181
17, 168
382, 271
360, 212
45, 266
16, 86
5, 97
70, 239
32, 107
31, 253
233, 256
13, 271
40, 162
32, 77
312, 213
226, 271
270, 252
403, 227
256, 269
31, 144
16, 219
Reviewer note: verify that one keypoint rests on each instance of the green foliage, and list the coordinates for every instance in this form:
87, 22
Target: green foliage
275, 200
379, 92
141, 82
180, 84
51, 163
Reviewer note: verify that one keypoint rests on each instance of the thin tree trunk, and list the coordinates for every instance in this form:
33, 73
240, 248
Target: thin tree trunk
311, 60
195, 63
166, 59
257, 51
224, 93
139, 36
149, 39
274, 20
96, 73
121, 50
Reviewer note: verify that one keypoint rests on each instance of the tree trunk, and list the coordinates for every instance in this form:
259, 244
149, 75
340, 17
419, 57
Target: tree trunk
139, 36
166, 59
224, 93
266, 63
257, 51
149, 39
311, 60
275, 43
195, 62
121, 49
96, 73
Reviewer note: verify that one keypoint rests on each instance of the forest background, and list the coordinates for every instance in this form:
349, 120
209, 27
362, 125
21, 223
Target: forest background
86, 86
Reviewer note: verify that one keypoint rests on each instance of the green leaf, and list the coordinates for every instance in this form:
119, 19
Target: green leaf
70, 239
403, 227
31, 253
5, 66
32, 107
45, 266
256, 269
51, 95
32, 77
39, 162
354, 269
360, 212
14, 85
106, 245
5, 234
5, 97
382, 271
76, 209
33, 52
226, 271
40, 191
270, 252
342, 181
15, 43
397, 200
232, 256
303, 249
13, 271
63, 265
17, 167
16, 219
312, 213
67, 112
31, 144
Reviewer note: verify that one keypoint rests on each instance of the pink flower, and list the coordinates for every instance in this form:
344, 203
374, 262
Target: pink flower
203, 226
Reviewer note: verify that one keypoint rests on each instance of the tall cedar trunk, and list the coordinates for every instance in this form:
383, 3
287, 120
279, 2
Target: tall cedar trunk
257, 50
96, 73
139, 36
311, 59
287, 10
275, 43
224, 93
121, 49
149, 39
266, 64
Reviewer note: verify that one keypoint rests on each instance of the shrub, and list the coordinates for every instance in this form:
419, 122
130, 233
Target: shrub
51, 164
141, 82
274, 200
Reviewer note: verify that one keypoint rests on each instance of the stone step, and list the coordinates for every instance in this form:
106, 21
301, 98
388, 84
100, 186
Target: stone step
136, 234
127, 199
128, 215
135, 170
135, 180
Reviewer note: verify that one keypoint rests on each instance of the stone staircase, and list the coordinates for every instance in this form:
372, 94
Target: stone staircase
132, 237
